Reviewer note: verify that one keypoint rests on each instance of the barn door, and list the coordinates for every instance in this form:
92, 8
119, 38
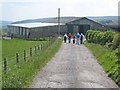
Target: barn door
83, 28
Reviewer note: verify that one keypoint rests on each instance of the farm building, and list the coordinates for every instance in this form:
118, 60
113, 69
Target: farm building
34, 30
37, 30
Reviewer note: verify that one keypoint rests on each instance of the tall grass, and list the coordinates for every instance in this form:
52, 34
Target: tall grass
107, 59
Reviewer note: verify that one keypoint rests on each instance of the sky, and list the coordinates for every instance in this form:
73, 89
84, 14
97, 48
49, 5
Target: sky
16, 10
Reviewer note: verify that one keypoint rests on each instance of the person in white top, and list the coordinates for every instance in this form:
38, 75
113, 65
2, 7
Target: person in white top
65, 37
81, 38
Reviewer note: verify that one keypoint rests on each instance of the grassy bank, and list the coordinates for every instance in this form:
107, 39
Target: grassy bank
23, 74
107, 59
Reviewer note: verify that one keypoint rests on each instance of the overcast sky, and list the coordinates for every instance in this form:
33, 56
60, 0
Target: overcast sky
13, 10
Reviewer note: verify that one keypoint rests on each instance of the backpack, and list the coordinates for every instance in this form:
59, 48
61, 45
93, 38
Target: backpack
77, 35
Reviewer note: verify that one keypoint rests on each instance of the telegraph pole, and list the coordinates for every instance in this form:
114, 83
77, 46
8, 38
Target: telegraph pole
59, 22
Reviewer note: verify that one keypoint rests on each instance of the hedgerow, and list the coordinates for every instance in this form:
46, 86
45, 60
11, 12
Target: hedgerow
98, 37
116, 41
110, 60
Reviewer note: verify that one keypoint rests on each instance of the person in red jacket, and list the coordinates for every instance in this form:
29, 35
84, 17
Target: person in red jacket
69, 37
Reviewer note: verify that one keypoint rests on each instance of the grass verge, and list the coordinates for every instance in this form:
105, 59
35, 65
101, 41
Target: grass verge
23, 74
107, 59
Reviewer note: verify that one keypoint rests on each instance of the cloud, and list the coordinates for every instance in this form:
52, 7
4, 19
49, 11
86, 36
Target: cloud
27, 9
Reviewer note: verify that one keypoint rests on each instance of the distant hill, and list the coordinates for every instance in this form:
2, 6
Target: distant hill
3, 24
111, 21
106, 20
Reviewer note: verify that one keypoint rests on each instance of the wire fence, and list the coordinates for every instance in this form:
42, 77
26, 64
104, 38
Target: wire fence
11, 64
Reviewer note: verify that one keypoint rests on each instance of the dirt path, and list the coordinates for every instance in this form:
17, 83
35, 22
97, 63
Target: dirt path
73, 66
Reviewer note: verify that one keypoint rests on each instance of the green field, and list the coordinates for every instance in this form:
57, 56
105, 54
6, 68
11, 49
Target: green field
11, 47
21, 74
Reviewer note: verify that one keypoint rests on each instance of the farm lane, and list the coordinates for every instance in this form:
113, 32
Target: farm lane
73, 66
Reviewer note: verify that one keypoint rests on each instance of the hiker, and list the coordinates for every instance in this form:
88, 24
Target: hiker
69, 37
77, 38
65, 37
73, 39
81, 38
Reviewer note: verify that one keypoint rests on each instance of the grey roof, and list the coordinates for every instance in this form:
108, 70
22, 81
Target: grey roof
33, 25
62, 19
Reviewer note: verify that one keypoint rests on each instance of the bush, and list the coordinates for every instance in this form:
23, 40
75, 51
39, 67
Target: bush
95, 36
89, 35
116, 41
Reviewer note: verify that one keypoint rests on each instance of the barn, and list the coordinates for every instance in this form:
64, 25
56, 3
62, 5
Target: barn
34, 30
38, 29
83, 24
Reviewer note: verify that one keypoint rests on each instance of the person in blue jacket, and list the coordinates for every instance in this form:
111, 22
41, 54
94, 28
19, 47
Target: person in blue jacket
77, 38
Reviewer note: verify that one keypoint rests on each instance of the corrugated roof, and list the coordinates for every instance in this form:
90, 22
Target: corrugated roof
33, 25
62, 19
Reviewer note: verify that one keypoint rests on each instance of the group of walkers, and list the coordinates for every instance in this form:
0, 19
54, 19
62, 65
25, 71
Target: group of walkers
78, 38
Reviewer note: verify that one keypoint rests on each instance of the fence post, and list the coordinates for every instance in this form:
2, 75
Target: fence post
35, 49
31, 52
24, 55
5, 65
17, 58
41, 46
38, 47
